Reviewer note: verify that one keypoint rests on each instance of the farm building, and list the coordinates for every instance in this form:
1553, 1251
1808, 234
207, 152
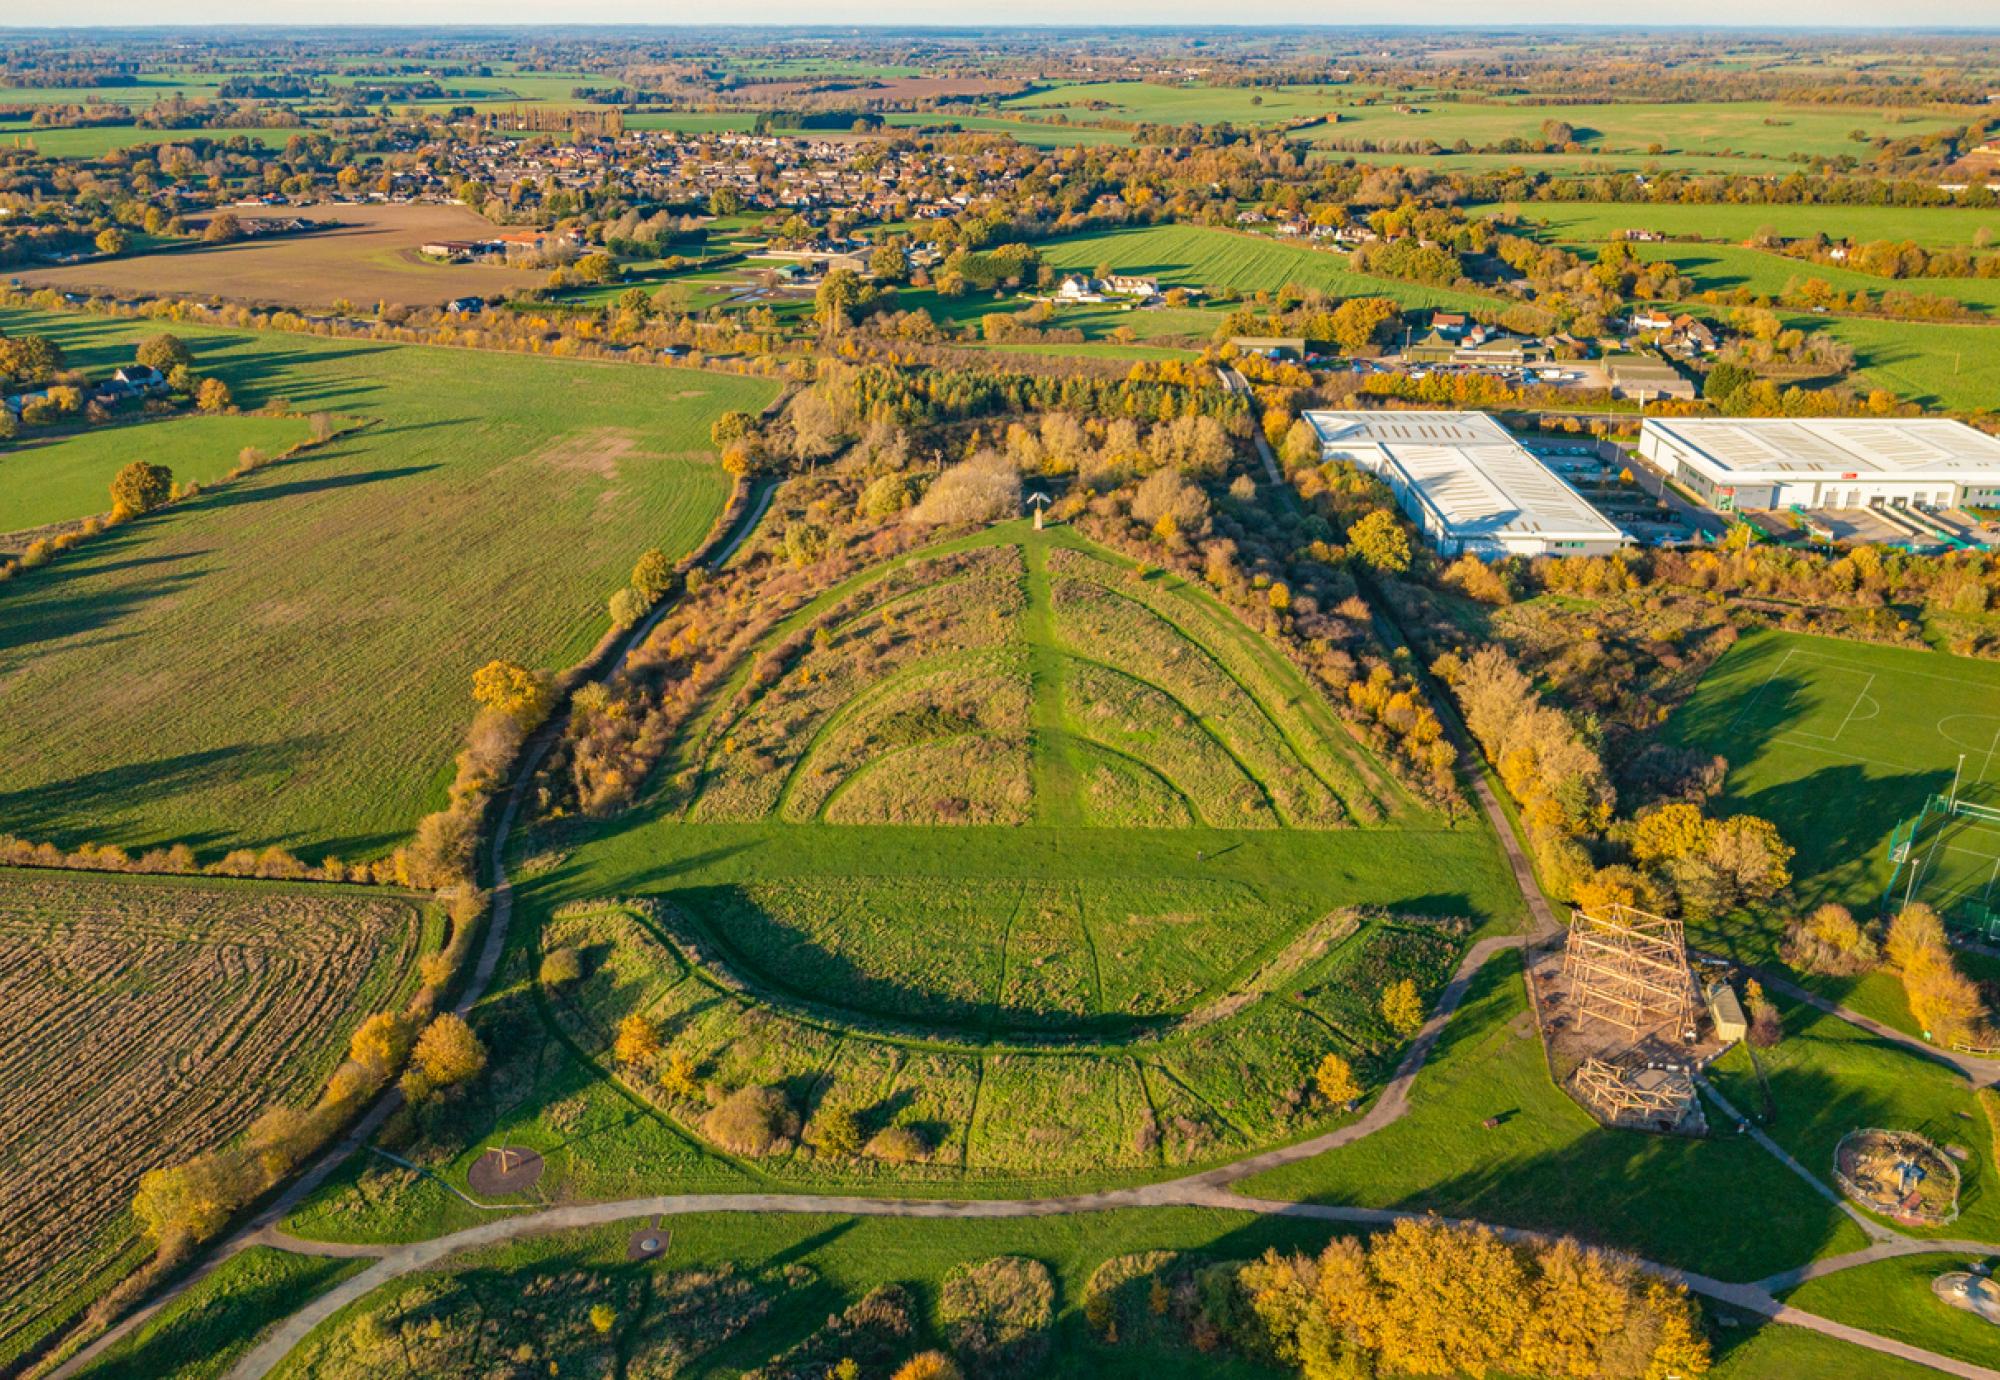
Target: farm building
1846, 462
1469, 484
1647, 378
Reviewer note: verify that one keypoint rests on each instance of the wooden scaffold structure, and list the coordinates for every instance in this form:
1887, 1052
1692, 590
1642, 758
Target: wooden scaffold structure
1630, 969
1654, 1099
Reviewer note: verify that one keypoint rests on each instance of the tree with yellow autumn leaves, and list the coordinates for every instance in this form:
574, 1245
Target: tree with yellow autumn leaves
1434, 1298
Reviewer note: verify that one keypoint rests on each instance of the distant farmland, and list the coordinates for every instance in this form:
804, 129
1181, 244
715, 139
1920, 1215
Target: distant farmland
1193, 256
370, 257
286, 659
1929, 225
1744, 133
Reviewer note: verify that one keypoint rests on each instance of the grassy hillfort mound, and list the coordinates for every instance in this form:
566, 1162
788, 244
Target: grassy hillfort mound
1002, 860
1001, 685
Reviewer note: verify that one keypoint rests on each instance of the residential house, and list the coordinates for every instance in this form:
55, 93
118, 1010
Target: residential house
1127, 285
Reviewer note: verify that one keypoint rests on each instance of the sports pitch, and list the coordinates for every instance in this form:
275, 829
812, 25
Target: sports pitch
1840, 742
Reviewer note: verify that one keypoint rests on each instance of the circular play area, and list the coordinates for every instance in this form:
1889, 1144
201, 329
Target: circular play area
504, 1169
1898, 1174
1975, 1293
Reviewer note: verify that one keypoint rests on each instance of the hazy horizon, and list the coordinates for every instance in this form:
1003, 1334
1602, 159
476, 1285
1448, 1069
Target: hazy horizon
1804, 15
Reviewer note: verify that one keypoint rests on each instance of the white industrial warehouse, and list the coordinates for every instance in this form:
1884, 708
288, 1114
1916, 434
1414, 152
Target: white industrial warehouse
1848, 462
1465, 480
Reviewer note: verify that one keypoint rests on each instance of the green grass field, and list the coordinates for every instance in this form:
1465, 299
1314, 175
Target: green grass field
97, 140
1039, 133
1750, 1351
286, 660
1748, 130
1724, 268
202, 1333
1956, 367
1837, 741
1196, 256
1826, 1078
1894, 1298
1584, 220
60, 480
844, 1257
1550, 1165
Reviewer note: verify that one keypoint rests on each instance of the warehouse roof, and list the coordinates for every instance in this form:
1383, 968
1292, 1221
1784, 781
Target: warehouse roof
1752, 449
1468, 470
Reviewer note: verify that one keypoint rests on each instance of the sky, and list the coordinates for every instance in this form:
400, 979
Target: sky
1905, 15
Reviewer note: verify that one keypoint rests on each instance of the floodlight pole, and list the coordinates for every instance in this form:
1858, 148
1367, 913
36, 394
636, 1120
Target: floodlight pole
1956, 772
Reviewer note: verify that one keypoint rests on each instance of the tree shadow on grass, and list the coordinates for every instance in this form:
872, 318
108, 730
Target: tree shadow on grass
52, 605
237, 496
69, 812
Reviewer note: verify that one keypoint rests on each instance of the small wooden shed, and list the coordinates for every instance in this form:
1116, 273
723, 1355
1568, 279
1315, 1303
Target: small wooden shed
1727, 1013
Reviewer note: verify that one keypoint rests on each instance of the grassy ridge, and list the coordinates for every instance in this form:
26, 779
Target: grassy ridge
286, 659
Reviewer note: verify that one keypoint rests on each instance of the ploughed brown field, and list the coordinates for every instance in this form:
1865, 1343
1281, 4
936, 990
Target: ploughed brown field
151, 1019
369, 256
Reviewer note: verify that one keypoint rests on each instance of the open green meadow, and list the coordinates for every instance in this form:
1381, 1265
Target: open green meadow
1724, 268
1751, 131
1827, 1077
762, 1284
1747, 129
1561, 164
204, 1332
731, 1292
1196, 256
1948, 366
287, 659
1773, 1351
693, 121
1836, 742
1894, 1298
1040, 133
45, 481
1549, 1164
95, 141
1931, 226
